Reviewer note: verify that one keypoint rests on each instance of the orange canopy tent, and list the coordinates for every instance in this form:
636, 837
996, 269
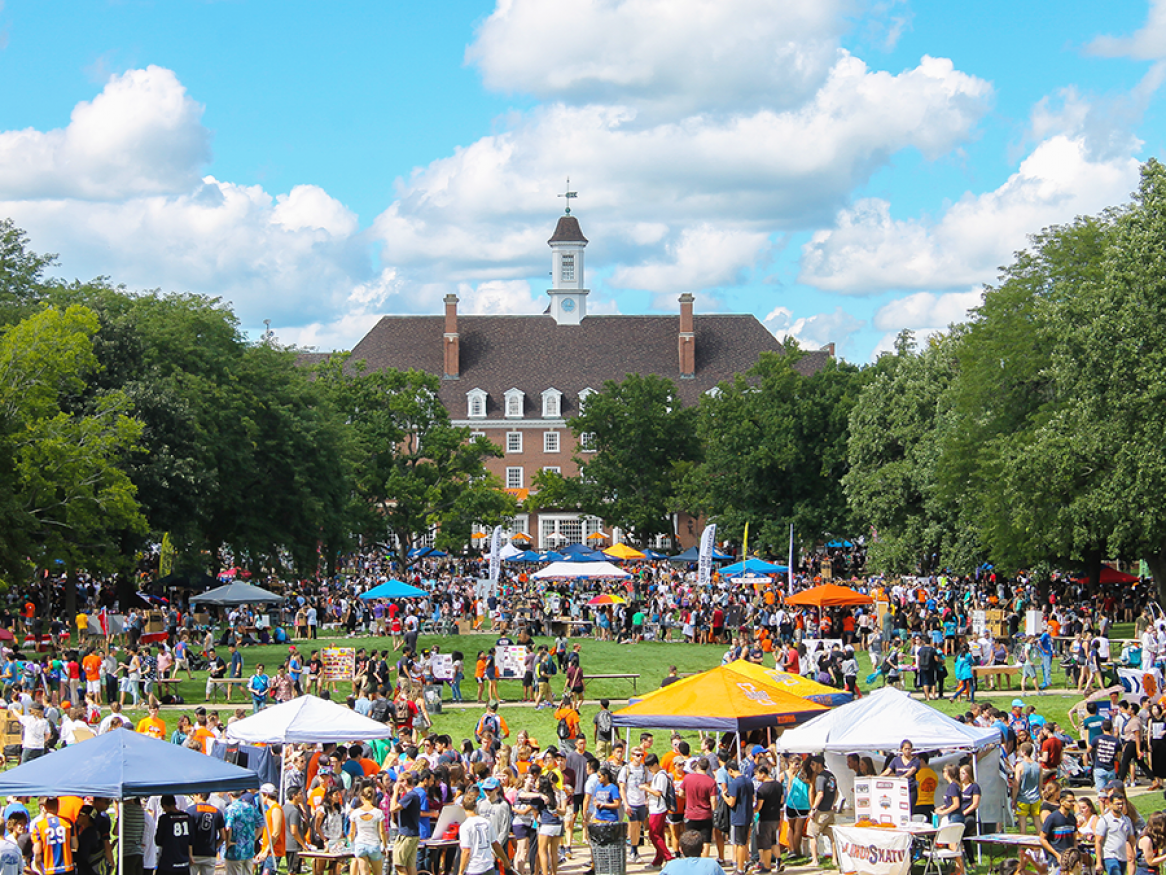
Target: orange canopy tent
720, 699
792, 683
623, 552
829, 595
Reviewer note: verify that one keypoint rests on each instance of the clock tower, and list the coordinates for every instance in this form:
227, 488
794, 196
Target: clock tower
568, 297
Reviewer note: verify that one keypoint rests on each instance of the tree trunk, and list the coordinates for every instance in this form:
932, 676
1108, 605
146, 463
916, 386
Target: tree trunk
71, 601
1093, 570
1156, 562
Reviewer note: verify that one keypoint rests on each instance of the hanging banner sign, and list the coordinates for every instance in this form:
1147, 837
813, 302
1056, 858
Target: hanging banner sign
704, 566
872, 851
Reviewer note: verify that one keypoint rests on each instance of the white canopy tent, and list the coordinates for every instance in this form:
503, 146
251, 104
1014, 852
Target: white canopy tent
881, 721
309, 720
582, 571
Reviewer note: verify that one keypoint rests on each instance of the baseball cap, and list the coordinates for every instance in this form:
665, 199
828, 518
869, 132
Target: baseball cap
1017, 703
268, 789
491, 784
757, 749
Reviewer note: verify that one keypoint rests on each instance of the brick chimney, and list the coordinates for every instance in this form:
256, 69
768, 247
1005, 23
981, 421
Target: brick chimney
452, 356
829, 349
687, 342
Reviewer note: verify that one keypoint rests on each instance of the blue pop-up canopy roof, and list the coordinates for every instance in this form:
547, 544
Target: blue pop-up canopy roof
757, 566
692, 554
393, 589
121, 764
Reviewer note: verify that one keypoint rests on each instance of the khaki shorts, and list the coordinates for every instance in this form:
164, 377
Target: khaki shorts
602, 750
820, 823
405, 850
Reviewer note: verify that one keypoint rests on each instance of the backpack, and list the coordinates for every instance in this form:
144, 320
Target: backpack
490, 724
380, 710
670, 796
563, 730
551, 668
603, 721
401, 711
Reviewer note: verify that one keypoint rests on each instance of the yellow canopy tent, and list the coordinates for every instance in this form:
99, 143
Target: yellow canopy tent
624, 552
720, 700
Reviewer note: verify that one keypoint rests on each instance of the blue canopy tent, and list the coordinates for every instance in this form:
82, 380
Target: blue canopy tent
551, 556
757, 566
124, 764
524, 556
582, 553
393, 589
427, 553
834, 545
692, 554
654, 556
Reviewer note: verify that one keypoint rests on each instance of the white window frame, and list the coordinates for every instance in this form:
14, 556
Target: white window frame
567, 267
472, 397
552, 404
583, 396
515, 402
477, 434
587, 442
513, 442
516, 472
551, 442
554, 468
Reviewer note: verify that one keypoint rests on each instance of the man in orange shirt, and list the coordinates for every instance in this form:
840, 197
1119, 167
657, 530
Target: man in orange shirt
91, 665
52, 841
153, 725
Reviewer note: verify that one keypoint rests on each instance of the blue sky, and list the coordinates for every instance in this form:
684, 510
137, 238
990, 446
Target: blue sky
841, 169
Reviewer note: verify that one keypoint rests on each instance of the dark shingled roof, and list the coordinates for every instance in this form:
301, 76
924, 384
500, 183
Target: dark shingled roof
534, 353
307, 359
568, 231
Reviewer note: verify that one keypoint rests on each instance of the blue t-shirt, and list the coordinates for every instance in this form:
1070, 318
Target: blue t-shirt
409, 815
741, 789
606, 793
694, 866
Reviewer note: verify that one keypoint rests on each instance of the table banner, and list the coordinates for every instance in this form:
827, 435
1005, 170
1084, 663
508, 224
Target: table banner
871, 851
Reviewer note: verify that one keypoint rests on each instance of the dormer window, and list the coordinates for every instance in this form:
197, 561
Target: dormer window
476, 404
583, 396
552, 404
514, 403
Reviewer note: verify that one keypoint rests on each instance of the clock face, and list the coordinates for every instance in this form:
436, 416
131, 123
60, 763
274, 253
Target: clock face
568, 304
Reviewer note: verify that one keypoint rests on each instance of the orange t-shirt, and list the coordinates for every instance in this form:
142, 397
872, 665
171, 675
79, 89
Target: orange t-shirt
370, 766
92, 666
155, 727
480, 669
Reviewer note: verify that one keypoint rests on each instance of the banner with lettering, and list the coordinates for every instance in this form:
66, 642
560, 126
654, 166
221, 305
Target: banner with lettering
871, 851
495, 556
704, 567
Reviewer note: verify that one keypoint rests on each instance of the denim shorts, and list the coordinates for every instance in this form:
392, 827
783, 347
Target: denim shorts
368, 852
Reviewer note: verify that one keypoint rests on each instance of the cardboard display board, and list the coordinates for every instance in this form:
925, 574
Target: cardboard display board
979, 622
339, 663
871, 851
813, 645
1034, 622
511, 662
441, 665
882, 800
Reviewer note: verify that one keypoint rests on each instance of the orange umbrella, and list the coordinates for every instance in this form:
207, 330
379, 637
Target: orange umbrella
829, 595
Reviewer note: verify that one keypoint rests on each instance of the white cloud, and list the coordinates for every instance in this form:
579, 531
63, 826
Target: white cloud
681, 56
1146, 44
500, 298
868, 251
814, 332
925, 314
482, 212
142, 135
704, 256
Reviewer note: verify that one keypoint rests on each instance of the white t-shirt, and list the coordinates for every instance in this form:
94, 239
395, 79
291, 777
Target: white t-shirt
368, 830
11, 860
35, 732
630, 778
659, 783
476, 837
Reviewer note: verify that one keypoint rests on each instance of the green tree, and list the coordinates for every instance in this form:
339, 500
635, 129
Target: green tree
642, 440
62, 494
1011, 472
896, 428
21, 273
413, 471
775, 452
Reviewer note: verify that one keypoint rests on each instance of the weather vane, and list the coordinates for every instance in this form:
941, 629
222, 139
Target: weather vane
568, 195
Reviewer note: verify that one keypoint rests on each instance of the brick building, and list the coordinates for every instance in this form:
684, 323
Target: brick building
517, 379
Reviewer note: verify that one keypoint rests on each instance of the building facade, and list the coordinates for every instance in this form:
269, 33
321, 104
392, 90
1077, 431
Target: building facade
518, 379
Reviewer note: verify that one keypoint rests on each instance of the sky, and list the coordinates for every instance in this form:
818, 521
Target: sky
841, 169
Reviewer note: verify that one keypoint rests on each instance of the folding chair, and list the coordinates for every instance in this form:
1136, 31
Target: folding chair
951, 834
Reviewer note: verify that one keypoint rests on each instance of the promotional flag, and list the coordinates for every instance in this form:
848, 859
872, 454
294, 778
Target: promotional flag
704, 563
495, 556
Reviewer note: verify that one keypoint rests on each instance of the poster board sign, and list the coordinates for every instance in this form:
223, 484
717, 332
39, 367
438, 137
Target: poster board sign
882, 800
827, 569
871, 851
442, 666
339, 663
511, 661
1034, 622
979, 622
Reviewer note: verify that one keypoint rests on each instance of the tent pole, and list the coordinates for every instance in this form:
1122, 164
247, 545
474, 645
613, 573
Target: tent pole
121, 836
979, 808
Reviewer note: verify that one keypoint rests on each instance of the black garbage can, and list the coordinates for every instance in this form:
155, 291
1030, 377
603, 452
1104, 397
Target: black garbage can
609, 849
